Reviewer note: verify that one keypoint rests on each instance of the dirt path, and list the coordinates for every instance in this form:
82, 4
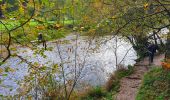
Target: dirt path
130, 84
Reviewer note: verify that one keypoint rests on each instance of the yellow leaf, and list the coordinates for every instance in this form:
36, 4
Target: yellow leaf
1, 70
29, 97
12, 70
146, 5
113, 17
98, 4
21, 10
40, 27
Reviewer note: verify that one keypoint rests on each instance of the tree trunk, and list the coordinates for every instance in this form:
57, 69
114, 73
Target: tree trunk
162, 44
167, 55
155, 39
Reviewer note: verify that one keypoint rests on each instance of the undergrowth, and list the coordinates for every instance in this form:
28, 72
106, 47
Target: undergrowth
111, 88
155, 86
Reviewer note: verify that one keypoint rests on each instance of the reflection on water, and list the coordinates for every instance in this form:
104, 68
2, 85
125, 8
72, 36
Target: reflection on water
96, 60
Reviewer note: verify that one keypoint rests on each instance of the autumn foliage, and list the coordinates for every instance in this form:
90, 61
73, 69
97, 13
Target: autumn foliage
166, 64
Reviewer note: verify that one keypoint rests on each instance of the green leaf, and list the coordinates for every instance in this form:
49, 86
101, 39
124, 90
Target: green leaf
7, 69
5, 75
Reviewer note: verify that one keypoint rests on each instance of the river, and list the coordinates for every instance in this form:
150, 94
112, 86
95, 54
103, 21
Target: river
94, 57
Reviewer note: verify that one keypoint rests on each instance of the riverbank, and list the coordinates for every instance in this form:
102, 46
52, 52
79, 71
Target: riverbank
130, 85
110, 89
124, 86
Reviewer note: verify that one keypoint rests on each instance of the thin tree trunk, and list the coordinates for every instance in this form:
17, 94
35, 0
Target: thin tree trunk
154, 33
115, 52
162, 44
63, 72
167, 55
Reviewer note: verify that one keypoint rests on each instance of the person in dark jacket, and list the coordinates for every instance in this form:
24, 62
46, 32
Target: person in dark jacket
42, 40
152, 50
40, 37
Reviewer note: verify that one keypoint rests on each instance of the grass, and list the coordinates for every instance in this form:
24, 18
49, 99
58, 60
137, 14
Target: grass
155, 86
94, 93
97, 93
12, 23
9, 24
30, 32
111, 88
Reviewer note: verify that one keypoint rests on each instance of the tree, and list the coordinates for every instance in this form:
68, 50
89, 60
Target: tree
132, 19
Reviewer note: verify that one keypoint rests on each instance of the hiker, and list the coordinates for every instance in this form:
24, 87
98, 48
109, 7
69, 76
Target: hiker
44, 44
152, 50
41, 39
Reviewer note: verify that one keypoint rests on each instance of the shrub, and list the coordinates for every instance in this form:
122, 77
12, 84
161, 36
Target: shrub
111, 88
112, 84
95, 93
